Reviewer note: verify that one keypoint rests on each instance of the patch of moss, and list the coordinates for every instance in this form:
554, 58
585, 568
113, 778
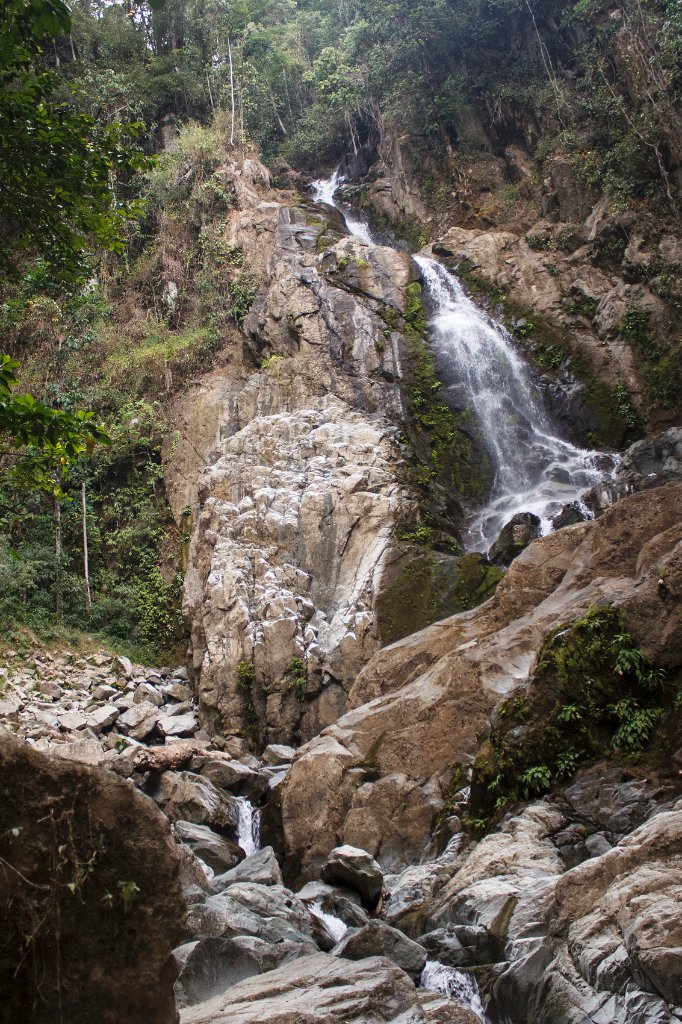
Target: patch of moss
593, 692
477, 580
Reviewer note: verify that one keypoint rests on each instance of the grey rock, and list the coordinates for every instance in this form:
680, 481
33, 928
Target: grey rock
231, 775
125, 665
105, 692
356, 869
208, 967
101, 718
316, 989
139, 720
185, 796
147, 692
178, 725
278, 754
85, 751
72, 720
180, 672
379, 939
219, 853
514, 537
260, 867
268, 912
177, 691
50, 688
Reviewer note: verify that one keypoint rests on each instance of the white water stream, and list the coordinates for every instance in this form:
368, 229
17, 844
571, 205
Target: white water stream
450, 982
482, 369
248, 828
334, 925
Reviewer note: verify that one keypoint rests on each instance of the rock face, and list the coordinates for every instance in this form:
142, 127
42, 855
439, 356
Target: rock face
88, 859
298, 511
379, 777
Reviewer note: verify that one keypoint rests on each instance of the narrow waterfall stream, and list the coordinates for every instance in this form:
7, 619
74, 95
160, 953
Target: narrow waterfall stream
533, 469
456, 984
248, 828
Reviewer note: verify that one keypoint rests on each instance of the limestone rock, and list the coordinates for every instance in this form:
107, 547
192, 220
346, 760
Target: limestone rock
268, 912
149, 693
178, 725
101, 718
514, 537
278, 753
140, 720
356, 869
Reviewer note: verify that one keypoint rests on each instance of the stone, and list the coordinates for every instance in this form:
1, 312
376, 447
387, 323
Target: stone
514, 537
268, 912
149, 693
180, 672
139, 720
177, 691
102, 718
50, 688
72, 720
379, 939
356, 869
125, 665
178, 725
209, 967
278, 754
219, 853
316, 989
118, 954
85, 751
260, 867
45, 717
231, 775
185, 796
105, 692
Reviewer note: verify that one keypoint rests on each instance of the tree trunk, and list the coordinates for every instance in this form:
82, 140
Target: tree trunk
86, 562
229, 54
58, 603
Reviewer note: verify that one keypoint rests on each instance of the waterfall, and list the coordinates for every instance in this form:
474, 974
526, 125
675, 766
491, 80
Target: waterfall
248, 826
450, 982
324, 191
334, 925
533, 469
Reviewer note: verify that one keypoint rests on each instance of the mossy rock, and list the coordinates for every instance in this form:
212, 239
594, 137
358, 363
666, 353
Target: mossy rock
424, 586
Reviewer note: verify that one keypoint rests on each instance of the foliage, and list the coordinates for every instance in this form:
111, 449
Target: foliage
594, 691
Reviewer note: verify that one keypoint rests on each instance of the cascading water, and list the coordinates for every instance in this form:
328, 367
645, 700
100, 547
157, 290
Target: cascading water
450, 982
533, 469
334, 925
248, 826
324, 191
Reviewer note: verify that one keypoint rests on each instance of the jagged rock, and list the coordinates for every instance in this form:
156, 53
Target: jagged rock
139, 720
514, 537
125, 665
356, 869
178, 725
101, 718
105, 692
314, 989
185, 796
209, 967
177, 691
231, 775
653, 461
219, 853
269, 912
123, 918
72, 721
277, 754
149, 693
85, 751
161, 759
260, 867
379, 939
50, 688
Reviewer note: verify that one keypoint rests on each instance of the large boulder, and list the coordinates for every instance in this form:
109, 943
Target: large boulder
260, 867
357, 869
317, 989
185, 796
219, 853
379, 939
89, 891
514, 537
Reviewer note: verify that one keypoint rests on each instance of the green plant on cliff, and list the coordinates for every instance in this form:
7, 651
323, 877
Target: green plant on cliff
594, 691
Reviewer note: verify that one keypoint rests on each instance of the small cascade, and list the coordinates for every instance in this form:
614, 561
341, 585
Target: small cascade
534, 470
248, 827
324, 191
334, 925
457, 984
